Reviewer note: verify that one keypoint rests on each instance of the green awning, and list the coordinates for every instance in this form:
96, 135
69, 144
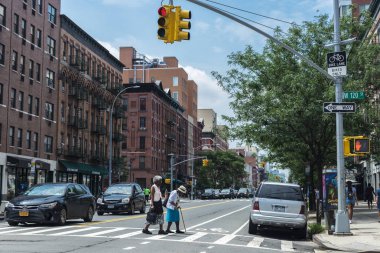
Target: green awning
83, 168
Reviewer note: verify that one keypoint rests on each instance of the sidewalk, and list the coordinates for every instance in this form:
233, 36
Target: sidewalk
366, 233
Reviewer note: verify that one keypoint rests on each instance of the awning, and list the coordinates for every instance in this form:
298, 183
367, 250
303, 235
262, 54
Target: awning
41, 165
18, 162
83, 168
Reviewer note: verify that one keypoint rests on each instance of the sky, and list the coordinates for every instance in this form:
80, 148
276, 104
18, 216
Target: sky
122, 23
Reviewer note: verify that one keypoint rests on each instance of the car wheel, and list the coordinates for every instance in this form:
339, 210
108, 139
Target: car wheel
62, 217
100, 213
132, 211
302, 233
142, 210
252, 228
12, 223
89, 215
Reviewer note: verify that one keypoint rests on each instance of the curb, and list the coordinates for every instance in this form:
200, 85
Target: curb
330, 246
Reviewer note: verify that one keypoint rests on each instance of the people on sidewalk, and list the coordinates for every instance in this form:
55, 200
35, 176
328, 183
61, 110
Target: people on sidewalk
351, 199
146, 193
156, 207
172, 213
369, 192
378, 200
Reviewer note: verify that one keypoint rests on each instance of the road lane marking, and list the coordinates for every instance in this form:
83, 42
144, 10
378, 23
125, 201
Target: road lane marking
158, 237
287, 245
193, 237
45, 230
219, 217
241, 227
129, 248
256, 242
18, 230
74, 231
225, 239
144, 242
103, 232
210, 247
128, 234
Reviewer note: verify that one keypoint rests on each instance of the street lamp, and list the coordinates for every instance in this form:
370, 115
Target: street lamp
110, 130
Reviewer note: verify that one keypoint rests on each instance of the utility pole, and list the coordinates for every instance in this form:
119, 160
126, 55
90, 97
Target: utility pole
171, 171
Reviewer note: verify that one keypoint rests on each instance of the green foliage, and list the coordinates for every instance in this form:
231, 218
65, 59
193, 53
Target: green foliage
277, 98
315, 228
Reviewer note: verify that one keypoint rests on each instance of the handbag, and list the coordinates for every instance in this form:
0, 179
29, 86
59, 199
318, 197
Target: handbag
165, 202
151, 217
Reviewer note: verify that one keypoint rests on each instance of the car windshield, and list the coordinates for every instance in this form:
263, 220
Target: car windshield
46, 190
286, 192
226, 191
243, 190
208, 191
119, 189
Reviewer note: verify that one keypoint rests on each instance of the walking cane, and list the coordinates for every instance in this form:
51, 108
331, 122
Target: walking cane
183, 221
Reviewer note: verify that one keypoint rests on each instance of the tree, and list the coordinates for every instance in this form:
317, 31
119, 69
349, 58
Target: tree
277, 98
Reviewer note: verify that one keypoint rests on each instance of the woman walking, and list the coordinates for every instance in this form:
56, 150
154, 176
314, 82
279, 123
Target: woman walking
156, 206
172, 213
378, 200
351, 199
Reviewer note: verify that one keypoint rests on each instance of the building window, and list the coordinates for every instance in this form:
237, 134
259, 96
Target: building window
48, 144
130, 80
62, 111
2, 15
363, 8
19, 138
142, 104
142, 142
22, 65
175, 95
50, 77
37, 106
31, 69
2, 54
39, 38
49, 111
142, 122
125, 104
28, 139
14, 60
34, 4
23, 28
13, 98
1, 132
51, 45
11, 136
35, 141
15, 23
175, 80
38, 72
39, 3
142, 162
21, 100
1, 93
52, 14
30, 104
32, 33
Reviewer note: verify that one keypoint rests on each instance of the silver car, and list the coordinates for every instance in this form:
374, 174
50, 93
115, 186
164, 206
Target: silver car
278, 205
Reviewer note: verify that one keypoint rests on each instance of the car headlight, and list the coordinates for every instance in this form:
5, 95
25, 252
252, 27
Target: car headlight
125, 201
99, 201
49, 205
9, 205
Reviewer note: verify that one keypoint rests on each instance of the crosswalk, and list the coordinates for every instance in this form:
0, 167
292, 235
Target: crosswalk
194, 236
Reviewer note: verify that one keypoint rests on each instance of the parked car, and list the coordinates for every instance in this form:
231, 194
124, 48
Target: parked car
217, 194
208, 194
51, 203
278, 205
243, 193
251, 192
122, 197
226, 194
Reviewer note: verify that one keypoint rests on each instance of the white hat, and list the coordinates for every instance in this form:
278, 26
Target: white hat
182, 189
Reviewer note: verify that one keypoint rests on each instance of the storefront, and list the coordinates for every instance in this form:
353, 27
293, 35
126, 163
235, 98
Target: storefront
82, 173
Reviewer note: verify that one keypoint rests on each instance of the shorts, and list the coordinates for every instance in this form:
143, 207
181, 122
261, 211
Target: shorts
350, 202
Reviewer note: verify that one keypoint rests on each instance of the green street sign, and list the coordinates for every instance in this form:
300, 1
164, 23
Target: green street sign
352, 95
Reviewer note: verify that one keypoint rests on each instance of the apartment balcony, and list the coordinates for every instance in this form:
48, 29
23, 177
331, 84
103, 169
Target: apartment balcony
74, 152
99, 129
74, 61
82, 124
119, 113
78, 93
171, 121
170, 137
72, 121
118, 137
100, 104
115, 88
97, 157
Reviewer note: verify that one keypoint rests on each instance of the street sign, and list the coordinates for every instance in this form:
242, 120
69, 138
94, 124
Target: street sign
337, 64
351, 95
332, 107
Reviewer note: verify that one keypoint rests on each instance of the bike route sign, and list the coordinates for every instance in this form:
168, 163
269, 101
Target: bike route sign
332, 107
337, 64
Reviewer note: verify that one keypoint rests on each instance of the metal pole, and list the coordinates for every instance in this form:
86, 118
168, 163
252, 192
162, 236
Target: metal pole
171, 171
192, 177
342, 225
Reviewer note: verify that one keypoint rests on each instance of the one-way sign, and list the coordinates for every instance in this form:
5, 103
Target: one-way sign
332, 107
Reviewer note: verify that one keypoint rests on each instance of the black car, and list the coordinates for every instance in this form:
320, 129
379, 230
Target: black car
122, 197
243, 193
226, 194
51, 203
208, 194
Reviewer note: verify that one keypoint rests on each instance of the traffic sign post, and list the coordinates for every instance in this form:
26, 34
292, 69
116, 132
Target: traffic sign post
351, 95
332, 107
337, 64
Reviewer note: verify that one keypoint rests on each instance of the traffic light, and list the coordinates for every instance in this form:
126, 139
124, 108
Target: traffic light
361, 145
346, 147
181, 22
166, 23
204, 162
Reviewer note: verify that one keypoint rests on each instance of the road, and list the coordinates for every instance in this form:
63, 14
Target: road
212, 226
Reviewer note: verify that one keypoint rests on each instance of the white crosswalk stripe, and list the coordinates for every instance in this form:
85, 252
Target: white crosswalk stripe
256, 242
194, 237
74, 231
43, 231
287, 246
129, 234
103, 232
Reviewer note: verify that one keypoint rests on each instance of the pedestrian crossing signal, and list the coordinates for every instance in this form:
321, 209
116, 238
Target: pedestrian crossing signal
204, 162
361, 145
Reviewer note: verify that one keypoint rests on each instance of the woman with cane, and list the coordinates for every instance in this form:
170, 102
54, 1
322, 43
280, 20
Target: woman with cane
172, 213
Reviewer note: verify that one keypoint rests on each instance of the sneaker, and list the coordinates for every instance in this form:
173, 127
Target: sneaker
179, 232
162, 232
350, 221
169, 231
146, 231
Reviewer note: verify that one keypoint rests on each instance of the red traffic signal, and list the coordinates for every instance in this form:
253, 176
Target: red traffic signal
162, 11
361, 145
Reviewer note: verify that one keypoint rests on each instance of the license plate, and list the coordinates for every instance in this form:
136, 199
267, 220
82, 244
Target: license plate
111, 206
23, 213
279, 208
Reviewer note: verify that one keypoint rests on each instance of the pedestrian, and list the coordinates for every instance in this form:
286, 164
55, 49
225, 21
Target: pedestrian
378, 200
369, 192
156, 206
146, 193
351, 199
172, 213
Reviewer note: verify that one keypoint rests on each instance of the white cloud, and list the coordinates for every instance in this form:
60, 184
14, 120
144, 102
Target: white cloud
127, 3
202, 26
113, 50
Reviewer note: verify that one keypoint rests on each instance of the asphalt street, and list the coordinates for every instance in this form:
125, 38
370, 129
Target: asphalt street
212, 226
